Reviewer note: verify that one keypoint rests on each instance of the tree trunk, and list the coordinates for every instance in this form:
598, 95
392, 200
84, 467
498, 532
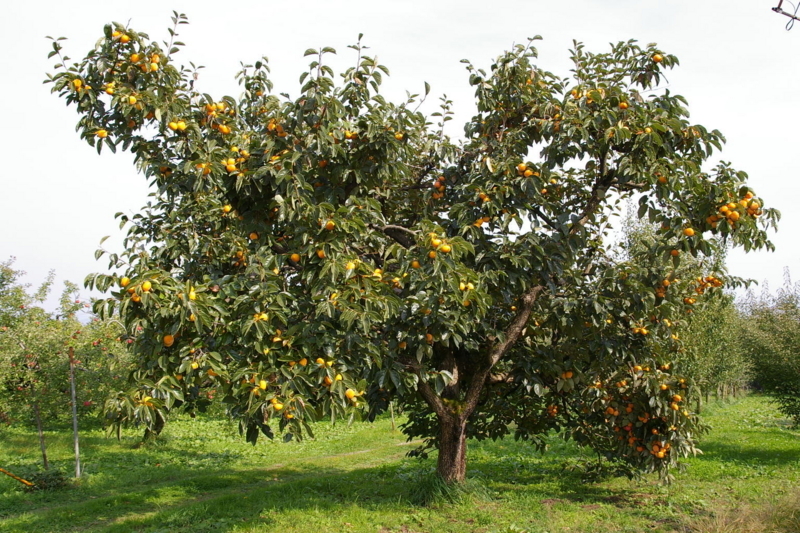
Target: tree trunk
38, 416
469, 376
452, 463
152, 434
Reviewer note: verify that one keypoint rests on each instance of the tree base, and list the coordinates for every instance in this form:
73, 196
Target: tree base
432, 491
451, 466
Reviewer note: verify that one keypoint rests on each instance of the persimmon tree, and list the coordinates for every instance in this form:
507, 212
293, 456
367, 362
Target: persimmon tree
319, 255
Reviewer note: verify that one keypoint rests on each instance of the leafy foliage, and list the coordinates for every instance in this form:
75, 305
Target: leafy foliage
34, 355
318, 256
14, 296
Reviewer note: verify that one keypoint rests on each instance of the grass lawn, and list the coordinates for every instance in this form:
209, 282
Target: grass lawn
201, 476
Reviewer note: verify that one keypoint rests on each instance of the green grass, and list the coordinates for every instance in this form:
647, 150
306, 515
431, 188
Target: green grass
201, 476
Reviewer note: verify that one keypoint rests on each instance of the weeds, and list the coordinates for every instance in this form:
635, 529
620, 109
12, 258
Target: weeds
432, 491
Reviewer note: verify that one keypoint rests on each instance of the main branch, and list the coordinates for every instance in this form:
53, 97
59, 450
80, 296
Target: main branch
512, 334
404, 236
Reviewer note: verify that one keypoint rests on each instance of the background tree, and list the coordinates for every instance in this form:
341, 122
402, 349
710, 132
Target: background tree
314, 257
34, 361
717, 360
770, 335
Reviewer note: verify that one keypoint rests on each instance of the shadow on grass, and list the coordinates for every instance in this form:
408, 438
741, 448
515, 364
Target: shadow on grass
13, 441
749, 453
544, 488
220, 499
198, 491
210, 501
216, 498
117, 474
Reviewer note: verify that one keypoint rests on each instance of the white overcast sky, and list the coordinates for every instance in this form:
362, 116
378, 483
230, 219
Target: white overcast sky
740, 71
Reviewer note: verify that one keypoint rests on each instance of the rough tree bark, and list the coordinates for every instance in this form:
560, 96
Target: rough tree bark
37, 415
452, 462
